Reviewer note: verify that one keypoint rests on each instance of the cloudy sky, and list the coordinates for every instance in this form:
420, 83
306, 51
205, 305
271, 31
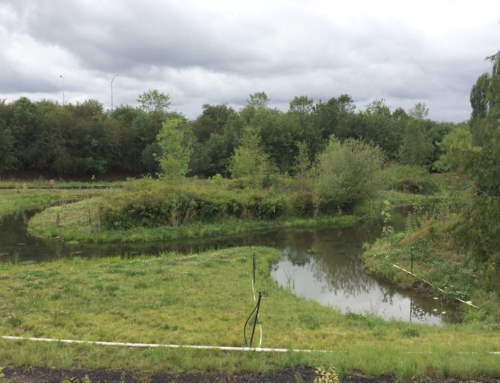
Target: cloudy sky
220, 51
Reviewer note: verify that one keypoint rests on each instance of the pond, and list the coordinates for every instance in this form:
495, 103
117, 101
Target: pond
323, 264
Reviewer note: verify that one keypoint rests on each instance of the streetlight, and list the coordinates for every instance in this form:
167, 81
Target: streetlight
112, 91
63, 87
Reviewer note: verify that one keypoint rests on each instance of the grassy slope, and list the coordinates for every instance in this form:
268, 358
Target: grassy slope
74, 224
205, 299
16, 201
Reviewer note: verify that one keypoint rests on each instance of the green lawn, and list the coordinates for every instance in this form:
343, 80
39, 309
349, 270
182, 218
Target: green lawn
204, 299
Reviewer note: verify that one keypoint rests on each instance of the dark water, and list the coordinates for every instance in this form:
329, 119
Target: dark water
322, 264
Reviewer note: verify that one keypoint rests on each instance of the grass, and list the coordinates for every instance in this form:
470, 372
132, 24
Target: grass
452, 275
396, 199
19, 200
204, 299
43, 183
80, 221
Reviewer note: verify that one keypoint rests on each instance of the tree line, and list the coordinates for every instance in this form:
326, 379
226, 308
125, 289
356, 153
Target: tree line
83, 139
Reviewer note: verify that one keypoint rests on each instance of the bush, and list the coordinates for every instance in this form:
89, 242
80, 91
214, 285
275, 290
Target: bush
159, 204
348, 172
153, 203
409, 179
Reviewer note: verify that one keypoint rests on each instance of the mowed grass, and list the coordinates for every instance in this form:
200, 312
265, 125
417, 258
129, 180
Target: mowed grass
80, 221
204, 299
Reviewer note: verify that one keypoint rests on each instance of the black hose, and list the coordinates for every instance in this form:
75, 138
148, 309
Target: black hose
257, 307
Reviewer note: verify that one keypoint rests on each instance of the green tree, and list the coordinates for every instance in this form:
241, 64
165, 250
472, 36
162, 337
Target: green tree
348, 172
454, 147
302, 105
257, 101
478, 97
419, 111
176, 152
476, 157
250, 161
154, 101
416, 148
8, 157
376, 125
212, 120
302, 165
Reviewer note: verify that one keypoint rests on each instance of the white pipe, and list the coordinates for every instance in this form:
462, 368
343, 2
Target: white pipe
414, 275
148, 345
260, 343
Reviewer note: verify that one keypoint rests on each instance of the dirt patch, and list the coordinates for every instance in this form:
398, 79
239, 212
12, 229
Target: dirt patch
45, 375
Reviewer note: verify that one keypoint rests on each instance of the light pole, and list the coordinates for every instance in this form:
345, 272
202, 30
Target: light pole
113, 79
63, 87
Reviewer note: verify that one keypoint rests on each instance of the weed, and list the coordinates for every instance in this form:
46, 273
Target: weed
410, 332
326, 375
386, 215
14, 320
144, 376
54, 306
85, 379
311, 321
290, 279
355, 316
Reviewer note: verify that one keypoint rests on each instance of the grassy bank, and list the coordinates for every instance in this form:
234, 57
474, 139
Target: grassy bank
26, 198
81, 222
395, 199
442, 269
146, 210
204, 300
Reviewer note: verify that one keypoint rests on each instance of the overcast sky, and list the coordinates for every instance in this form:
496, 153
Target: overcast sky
220, 51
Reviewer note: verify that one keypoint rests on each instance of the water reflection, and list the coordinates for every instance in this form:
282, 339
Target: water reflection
322, 264
326, 265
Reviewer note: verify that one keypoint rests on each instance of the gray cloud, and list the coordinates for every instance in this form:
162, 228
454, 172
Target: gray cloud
202, 52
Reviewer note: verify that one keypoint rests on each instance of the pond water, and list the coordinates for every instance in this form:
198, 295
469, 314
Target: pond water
323, 264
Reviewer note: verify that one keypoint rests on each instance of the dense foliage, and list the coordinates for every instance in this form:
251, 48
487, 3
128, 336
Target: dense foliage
80, 140
456, 245
150, 203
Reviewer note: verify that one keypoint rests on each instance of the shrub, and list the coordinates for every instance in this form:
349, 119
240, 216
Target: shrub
348, 172
409, 179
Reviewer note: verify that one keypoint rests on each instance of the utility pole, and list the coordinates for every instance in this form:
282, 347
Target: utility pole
63, 87
113, 79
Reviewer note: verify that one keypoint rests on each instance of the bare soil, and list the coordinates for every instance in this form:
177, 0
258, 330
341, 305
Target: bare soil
45, 375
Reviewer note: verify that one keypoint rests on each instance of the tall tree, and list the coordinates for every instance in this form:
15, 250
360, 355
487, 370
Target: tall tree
154, 101
250, 161
176, 152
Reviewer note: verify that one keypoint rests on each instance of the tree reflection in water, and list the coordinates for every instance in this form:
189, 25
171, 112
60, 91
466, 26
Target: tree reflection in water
326, 265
